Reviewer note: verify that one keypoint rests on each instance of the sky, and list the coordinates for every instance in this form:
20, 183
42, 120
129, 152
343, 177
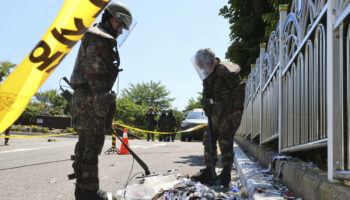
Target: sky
168, 33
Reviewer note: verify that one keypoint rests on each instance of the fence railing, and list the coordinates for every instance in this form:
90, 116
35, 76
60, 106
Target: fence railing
298, 93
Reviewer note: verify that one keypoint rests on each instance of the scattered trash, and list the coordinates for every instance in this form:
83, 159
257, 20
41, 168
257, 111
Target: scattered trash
259, 191
51, 181
51, 140
288, 196
105, 177
235, 189
266, 171
174, 186
178, 186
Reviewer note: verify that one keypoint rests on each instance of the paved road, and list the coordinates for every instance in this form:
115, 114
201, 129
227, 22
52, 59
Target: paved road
33, 168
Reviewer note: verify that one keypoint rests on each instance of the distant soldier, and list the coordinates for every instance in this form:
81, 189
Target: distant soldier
162, 126
223, 98
7, 133
170, 122
150, 122
93, 104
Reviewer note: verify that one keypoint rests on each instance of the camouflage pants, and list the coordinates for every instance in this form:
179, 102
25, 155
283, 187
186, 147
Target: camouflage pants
224, 125
150, 135
90, 128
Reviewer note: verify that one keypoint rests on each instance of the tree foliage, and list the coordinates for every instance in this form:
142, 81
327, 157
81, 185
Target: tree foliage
129, 112
194, 103
54, 103
250, 23
137, 98
30, 113
5, 67
151, 94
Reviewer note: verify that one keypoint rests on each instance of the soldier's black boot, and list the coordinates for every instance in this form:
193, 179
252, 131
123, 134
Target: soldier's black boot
225, 176
81, 194
204, 176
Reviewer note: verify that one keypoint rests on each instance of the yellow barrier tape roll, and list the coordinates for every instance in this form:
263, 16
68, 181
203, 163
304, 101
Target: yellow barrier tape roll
156, 132
68, 27
35, 136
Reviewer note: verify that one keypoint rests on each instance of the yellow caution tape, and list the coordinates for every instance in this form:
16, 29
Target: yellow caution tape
157, 132
74, 18
195, 128
35, 136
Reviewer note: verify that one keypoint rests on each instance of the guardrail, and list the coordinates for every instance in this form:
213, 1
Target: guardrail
298, 93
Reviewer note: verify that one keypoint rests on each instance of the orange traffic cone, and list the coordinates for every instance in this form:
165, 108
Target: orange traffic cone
123, 149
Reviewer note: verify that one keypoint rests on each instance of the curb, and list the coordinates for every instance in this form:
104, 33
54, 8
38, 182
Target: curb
251, 177
302, 179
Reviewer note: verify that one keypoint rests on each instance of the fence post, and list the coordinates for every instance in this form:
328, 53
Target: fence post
283, 16
252, 86
333, 136
261, 59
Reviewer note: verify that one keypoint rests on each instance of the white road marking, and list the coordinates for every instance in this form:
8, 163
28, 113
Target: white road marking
153, 145
30, 149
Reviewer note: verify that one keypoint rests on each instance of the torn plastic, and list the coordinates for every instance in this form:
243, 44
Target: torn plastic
179, 186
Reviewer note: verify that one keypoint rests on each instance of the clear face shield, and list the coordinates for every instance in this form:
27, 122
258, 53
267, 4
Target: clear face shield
126, 30
203, 65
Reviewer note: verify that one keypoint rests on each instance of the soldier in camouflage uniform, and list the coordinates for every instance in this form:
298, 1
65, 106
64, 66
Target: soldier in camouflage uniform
93, 103
162, 126
223, 97
170, 122
151, 123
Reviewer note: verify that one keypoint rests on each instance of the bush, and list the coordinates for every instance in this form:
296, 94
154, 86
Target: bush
45, 130
34, 129
69, 130
17, 128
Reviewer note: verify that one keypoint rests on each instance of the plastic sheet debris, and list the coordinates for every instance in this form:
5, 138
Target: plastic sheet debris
150, 187
179, 186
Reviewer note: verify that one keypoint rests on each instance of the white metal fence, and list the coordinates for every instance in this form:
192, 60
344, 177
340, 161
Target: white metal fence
298, 93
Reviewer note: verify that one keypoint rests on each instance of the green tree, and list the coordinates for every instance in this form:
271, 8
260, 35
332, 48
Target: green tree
192, 103
54, 102
250, 23
128, 112
151, 94
179, 116
5, 67
30, 114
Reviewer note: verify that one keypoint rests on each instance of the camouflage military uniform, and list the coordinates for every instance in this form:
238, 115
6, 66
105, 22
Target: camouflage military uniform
225, 88
92, 105
151, 124
170, 122
162, 126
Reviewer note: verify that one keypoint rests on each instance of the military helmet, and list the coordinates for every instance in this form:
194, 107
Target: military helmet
120, 13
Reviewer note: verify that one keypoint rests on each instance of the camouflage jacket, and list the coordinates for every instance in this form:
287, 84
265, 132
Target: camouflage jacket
221, 84
170, 122
94, 67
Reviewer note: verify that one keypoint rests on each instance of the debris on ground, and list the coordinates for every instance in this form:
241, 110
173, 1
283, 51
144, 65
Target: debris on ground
175, 186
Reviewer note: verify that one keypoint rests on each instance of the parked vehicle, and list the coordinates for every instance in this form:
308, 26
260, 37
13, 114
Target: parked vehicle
194, 118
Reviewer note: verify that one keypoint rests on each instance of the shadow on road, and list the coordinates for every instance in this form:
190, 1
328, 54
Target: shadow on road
192, 160
196, 160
